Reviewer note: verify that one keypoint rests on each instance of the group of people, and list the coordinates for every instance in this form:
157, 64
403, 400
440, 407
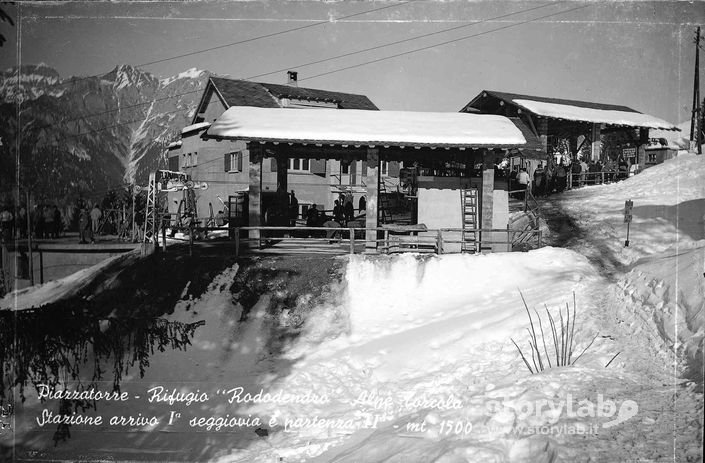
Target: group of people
343, 214
89, 224
46, 222
549, 177
343, 211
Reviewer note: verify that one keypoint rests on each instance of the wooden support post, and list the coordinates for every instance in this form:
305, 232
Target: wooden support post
372, 181
352, 241
487, 197
542, 127
439, 241
255, 190
596, 144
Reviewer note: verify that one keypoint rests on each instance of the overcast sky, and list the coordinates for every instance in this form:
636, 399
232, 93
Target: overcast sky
638, 54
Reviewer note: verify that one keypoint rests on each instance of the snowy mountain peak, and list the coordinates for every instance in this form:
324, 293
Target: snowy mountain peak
29, 82
192, 73
125, 75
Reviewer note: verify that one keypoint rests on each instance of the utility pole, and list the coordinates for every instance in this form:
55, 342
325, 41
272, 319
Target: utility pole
29, 242
696, 129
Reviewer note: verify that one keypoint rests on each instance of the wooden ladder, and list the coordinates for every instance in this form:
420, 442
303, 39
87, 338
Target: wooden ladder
468, 204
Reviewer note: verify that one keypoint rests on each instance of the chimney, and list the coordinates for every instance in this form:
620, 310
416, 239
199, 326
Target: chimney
292, 77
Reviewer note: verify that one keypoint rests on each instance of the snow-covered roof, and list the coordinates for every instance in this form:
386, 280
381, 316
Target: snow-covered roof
603, 116
386, 128
195, 127
175, 144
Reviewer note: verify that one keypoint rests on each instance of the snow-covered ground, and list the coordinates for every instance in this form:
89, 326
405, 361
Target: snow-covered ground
410, 358
416, 354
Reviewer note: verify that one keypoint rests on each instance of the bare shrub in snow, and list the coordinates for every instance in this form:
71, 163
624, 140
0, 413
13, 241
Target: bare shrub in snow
562, 341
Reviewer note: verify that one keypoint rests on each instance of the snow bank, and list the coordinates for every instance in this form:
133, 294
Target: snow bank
421, 329
52, 291
393, 294
667, 292
669, 209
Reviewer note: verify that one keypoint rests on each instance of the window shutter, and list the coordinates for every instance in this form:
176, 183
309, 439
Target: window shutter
226, 160
274, 164
239, 161
393, 169
318, 167
364, 169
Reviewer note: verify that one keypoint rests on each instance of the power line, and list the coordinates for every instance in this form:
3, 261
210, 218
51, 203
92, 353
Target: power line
442, 43
397, 42
372, 61
314, 62
252, 39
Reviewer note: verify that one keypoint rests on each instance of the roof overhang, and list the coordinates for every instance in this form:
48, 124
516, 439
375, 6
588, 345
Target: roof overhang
195, 127
371, 128
593, 115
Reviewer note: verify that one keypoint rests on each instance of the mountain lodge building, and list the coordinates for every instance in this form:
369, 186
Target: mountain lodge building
566, 127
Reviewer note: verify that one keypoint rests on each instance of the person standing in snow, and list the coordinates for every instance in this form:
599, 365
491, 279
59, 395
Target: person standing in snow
338, 214
523, 182
539, 180
583, 172
549, 174
48, 213
84, 227
96, 214
6, 224
293, 209
623, 169
58, 224
561, 176
349, 208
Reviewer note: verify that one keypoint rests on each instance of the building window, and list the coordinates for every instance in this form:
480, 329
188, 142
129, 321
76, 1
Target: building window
345, 167
187, 159
174, 163
299, 165
233, 161
652, 157
195, 159
384, 167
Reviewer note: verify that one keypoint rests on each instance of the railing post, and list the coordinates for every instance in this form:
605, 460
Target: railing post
236, 235
386, 240
439, 241
352, 241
